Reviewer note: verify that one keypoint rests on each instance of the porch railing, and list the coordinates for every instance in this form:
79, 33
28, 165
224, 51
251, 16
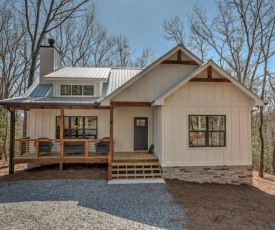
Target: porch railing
38, 148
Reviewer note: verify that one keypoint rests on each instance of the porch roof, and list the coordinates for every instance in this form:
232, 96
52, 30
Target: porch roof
51, 101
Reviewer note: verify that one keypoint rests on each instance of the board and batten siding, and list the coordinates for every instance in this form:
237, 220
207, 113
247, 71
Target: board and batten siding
198, 98
124, 127
155, 83
43, 121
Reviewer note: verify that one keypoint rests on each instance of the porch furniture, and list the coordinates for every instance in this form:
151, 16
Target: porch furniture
102, 147
77, 147
44, 146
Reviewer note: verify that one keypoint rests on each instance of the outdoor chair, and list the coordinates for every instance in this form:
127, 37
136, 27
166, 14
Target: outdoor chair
45, 146
102, 147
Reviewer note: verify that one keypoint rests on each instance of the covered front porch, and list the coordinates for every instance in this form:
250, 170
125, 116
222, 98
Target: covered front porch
50, 139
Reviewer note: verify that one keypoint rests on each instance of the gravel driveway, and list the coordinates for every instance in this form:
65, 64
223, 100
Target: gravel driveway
87, 204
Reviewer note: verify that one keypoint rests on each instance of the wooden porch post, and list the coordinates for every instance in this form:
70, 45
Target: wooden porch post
12, 136
61, 135
111, 147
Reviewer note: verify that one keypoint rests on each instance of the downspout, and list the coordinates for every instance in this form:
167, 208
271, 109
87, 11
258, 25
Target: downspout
11, 165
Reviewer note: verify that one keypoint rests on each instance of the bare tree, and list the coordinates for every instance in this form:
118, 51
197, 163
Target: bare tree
174, 30
41, 17
123, 51
146, 58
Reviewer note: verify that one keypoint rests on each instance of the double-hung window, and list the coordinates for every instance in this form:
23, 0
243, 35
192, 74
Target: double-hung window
207, 131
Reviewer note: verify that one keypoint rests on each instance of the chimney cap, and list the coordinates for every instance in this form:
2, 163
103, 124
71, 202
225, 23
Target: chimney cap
51, 42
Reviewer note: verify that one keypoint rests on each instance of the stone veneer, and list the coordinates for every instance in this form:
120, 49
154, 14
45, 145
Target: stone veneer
241, 174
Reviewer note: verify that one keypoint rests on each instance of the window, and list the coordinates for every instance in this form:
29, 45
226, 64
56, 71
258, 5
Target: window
65, 90
88, 90
207, 131
78, 127
79, 90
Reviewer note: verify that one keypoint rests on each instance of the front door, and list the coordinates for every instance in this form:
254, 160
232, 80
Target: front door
141, 133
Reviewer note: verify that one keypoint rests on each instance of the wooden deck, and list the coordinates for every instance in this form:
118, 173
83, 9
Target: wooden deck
55, 158
134, 157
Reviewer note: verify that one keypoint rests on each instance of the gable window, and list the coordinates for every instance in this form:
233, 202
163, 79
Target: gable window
207, 131
78, 127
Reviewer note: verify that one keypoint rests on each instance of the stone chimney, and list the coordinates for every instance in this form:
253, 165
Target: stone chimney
50, 60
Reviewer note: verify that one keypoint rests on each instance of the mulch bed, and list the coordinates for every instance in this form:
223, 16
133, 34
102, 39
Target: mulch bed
208, 206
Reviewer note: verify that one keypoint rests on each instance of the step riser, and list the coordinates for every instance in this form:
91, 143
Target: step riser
136, 171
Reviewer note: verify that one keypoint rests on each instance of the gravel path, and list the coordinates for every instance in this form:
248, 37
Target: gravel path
87, 204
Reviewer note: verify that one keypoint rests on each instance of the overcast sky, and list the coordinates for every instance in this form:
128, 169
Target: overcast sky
141, 20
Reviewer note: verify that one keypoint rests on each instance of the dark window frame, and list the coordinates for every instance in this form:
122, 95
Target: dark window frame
65, 86
70, 130
81, 90
88, 86
207, 131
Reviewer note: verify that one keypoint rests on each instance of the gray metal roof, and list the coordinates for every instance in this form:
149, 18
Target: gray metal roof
42, 91
118, 77
43, 94
80, 72
51, 100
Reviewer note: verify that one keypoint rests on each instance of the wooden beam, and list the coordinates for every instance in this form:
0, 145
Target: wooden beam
209, 80
27, 107
179, 62
61, 132
86, 149
111, 148
130, 104
12, 140
61, 167
57, 160
179, 56
37, 149
209, 72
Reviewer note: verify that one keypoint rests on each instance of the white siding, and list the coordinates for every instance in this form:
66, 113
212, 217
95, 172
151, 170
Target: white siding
156, 130
154, 83
206, 99
43, 122
124, 127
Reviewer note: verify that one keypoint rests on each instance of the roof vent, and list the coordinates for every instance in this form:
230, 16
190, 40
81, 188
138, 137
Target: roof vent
51, 42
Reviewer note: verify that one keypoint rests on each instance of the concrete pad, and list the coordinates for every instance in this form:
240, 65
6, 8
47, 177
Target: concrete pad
137, 181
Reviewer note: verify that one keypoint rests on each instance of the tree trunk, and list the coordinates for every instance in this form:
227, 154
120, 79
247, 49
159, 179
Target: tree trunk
261, 168
273, 163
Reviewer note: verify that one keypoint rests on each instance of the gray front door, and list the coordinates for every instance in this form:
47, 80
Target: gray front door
141, 133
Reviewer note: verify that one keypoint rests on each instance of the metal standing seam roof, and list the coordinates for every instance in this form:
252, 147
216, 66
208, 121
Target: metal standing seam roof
43, 94
118, 77
52, 100
42, 91
80, 72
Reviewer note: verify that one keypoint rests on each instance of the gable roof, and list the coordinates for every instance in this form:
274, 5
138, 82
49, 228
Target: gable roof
180, 47
249, 93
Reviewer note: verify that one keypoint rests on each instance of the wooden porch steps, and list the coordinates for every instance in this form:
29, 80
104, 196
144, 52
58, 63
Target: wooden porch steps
141, 170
